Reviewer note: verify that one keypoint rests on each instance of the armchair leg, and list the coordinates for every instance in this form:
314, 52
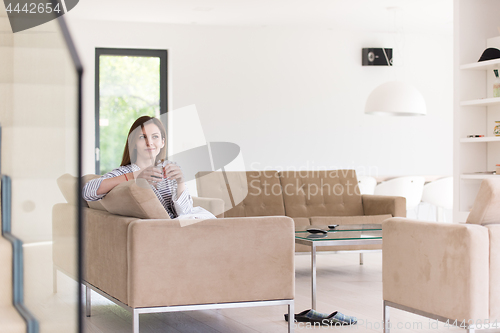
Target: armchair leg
361, 258
291, 317
88, 299
387, 319
135, 321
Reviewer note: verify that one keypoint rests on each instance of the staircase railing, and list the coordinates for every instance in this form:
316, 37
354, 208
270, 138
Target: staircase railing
32, 325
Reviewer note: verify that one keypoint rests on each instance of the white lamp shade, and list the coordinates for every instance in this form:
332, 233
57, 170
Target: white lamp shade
395, 98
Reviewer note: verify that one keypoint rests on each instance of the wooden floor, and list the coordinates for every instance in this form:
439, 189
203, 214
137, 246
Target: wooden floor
343, 285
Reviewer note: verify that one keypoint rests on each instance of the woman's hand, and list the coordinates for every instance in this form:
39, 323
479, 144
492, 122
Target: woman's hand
172, 171
151, 174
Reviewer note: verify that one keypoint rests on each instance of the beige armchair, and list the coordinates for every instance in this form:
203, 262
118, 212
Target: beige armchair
448, 272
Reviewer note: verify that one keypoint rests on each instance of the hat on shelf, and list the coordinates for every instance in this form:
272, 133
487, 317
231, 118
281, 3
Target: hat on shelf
490, 54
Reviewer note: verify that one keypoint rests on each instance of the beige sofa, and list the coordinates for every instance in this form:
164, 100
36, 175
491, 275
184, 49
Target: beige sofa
310, 198
142, 260
448, 272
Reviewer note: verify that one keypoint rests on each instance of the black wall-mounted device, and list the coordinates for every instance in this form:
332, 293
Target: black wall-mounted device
376, 57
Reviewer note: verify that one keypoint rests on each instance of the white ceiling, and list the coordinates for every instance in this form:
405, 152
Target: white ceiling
434, 16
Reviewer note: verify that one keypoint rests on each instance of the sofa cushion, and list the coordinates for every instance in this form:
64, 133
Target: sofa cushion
136, 199
340, 220
486, 207
301, 223
384, 204
321, 193
245, 193
67, 184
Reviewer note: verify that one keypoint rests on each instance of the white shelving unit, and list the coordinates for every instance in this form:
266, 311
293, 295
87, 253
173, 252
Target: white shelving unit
483, 139
475, 108
483, 65
481, 102
477, 176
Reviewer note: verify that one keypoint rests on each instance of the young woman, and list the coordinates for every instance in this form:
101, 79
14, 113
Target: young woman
145, 151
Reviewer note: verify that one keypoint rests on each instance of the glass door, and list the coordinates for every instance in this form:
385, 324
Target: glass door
40, 116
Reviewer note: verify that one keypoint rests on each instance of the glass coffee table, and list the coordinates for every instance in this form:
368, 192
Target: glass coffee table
355, 234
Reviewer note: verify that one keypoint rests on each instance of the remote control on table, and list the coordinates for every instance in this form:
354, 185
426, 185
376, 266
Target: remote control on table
316, 231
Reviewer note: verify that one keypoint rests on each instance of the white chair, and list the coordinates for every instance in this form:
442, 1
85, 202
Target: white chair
367, 184
409, 187
440, 194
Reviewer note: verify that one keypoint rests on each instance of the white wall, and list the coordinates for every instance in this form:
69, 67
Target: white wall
294, 97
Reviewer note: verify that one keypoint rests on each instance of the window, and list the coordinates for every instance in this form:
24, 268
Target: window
129, 83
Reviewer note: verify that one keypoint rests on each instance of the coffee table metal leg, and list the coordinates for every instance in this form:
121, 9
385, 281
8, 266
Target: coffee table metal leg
313, 275
291, 316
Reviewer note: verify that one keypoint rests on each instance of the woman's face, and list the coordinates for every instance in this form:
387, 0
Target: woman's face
149, 142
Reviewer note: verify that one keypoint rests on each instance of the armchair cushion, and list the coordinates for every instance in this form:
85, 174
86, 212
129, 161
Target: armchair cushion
134, 198
487, 204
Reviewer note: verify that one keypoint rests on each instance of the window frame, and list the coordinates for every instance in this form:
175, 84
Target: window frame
162, 54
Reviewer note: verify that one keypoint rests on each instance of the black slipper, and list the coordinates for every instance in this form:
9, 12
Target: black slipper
335, 318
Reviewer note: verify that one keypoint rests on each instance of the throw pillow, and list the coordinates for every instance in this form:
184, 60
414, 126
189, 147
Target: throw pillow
134, 199
486, 208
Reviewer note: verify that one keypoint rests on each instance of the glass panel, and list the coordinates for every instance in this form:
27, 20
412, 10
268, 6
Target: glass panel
352, 235
39, 118
129, 87
344, 232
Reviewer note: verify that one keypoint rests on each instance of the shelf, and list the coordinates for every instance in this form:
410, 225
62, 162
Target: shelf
483, 139
482, 101
478, 175
483, 65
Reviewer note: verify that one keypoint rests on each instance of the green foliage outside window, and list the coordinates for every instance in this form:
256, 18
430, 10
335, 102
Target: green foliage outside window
129, 87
